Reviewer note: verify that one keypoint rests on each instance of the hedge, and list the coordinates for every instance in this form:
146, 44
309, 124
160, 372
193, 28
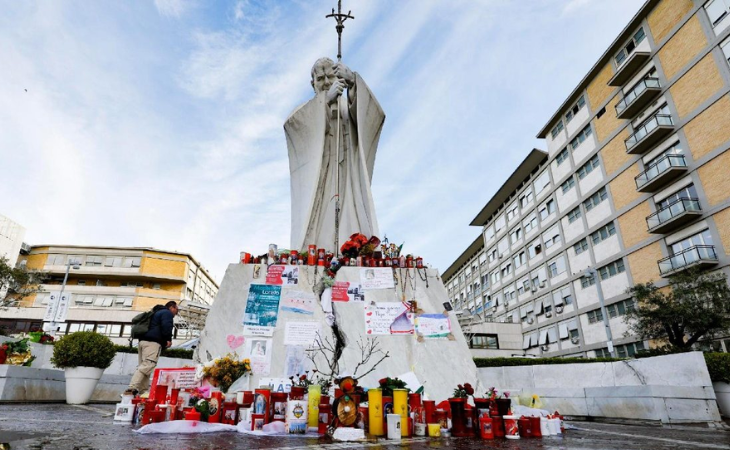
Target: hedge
503, 362
718, 364
168, 352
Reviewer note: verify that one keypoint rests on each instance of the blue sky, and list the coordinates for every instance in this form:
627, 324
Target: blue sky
159, 123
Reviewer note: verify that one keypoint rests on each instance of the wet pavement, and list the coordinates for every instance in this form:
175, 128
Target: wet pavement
63, 427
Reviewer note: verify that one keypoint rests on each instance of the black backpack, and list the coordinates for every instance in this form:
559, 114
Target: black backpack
141, 322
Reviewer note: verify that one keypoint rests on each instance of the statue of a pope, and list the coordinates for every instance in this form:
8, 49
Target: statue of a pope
311, 137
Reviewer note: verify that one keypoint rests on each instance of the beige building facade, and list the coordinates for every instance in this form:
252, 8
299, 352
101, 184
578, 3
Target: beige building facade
108, 286
634, 184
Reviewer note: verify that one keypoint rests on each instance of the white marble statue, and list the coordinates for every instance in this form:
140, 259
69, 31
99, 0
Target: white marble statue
311, 136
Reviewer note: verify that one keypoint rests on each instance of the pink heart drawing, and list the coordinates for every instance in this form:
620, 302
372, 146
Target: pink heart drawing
369, 314
370, 331
235, 341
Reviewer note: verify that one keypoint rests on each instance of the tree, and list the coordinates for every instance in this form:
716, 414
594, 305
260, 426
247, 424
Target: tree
693, 306
17, 283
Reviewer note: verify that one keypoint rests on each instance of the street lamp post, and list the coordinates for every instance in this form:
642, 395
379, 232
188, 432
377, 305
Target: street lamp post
594, 274
54, 324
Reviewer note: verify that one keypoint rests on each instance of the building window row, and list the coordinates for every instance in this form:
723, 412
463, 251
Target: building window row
573, 111
629, 48
595, 199
622, 351
588, 167
581, 137
55, 259
603, 233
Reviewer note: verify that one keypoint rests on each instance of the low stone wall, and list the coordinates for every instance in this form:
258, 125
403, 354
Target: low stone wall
42, 382
667, 389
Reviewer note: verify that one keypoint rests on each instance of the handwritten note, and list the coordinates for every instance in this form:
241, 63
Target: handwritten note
387, 318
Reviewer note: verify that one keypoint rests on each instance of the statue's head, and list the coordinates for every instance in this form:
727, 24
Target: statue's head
323, 75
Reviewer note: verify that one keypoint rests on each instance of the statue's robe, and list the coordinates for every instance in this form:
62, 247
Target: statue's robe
311, 139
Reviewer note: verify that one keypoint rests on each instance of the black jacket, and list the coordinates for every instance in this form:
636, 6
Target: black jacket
160, 328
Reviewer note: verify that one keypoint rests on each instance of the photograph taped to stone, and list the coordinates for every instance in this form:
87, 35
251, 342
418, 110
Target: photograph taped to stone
262, 310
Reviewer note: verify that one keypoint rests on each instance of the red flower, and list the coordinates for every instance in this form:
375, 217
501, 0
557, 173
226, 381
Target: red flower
469, 390
359, 239
303, 377
383, 381
350, 249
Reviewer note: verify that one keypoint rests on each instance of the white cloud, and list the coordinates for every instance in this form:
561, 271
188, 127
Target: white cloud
173, 8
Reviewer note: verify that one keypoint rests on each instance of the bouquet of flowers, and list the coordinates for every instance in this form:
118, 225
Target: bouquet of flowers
223, 372
302, 380
387, 384
360, 245
493, 394
18, 353
463, 391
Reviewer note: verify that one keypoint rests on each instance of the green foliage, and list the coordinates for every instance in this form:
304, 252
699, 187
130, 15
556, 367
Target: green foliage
18, 281
168, 352
718, 364
695, 306
505, 362
83, 349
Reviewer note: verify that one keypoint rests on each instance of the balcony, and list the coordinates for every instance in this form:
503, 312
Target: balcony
637, 98
674, 215
660, 173
696, 256
626, 70
649, 133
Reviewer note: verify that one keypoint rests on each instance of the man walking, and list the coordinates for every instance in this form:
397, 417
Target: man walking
150, 346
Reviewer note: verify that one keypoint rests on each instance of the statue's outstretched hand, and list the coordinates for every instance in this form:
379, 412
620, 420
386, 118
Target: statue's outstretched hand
335, 91
344, 73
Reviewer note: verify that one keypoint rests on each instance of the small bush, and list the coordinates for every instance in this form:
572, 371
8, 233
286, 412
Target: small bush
504, 362
83, 349
718, 364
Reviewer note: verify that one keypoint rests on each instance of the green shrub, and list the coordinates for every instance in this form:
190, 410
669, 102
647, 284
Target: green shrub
718, 364
168, 352
504, 362
83, 349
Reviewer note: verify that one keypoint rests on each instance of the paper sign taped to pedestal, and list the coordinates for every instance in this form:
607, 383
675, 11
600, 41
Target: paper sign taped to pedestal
259, 352
388, 318
377, 278
344, 291
282, 274
433, 326
276, 384
301, 333
177, 378
300, 302
262, 310
296, 361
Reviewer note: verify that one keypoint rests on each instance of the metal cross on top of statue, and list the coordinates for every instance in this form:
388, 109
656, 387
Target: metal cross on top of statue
340, 18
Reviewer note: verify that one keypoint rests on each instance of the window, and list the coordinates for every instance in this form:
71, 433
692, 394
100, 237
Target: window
580, 246
563, 296
93, 260
502, 246
624, 53
515, 235
575, 109
551, 237
489, 233
526, 198
596, 199
488, 341
132, 261
520, 259
594, 316
556, 129
546, 209
574, 214
622, 351
492, 255
541, 182
534, 249
588, 167
512, 212
620, 308
686, 193
506, 270
587, 281
603, 233
100, 283
509, 294
726, 50
701, 238
568, 184
494, 277
523, 286
113, 261
530, 223
610, 270
717, 10
56, 260
156, 286
81, 282
556, 267
581, 137
562, 156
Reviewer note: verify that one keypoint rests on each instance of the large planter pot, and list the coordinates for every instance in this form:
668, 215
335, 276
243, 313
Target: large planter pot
458, 418
80, 384
722, 393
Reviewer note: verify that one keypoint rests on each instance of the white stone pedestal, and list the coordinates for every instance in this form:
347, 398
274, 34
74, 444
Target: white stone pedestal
438, 364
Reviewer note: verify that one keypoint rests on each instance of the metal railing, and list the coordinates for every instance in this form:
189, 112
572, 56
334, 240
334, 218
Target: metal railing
647, 127
673, 210
687, 257
658, 167
634, 93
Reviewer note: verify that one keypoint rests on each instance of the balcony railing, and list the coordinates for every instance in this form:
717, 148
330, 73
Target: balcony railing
649, 133
637, 97
660, 172
628, 68
674, 214
703, 255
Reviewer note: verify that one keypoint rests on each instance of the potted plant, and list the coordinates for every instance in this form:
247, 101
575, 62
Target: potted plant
718, 364
299, 386
459, 427
84, 355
